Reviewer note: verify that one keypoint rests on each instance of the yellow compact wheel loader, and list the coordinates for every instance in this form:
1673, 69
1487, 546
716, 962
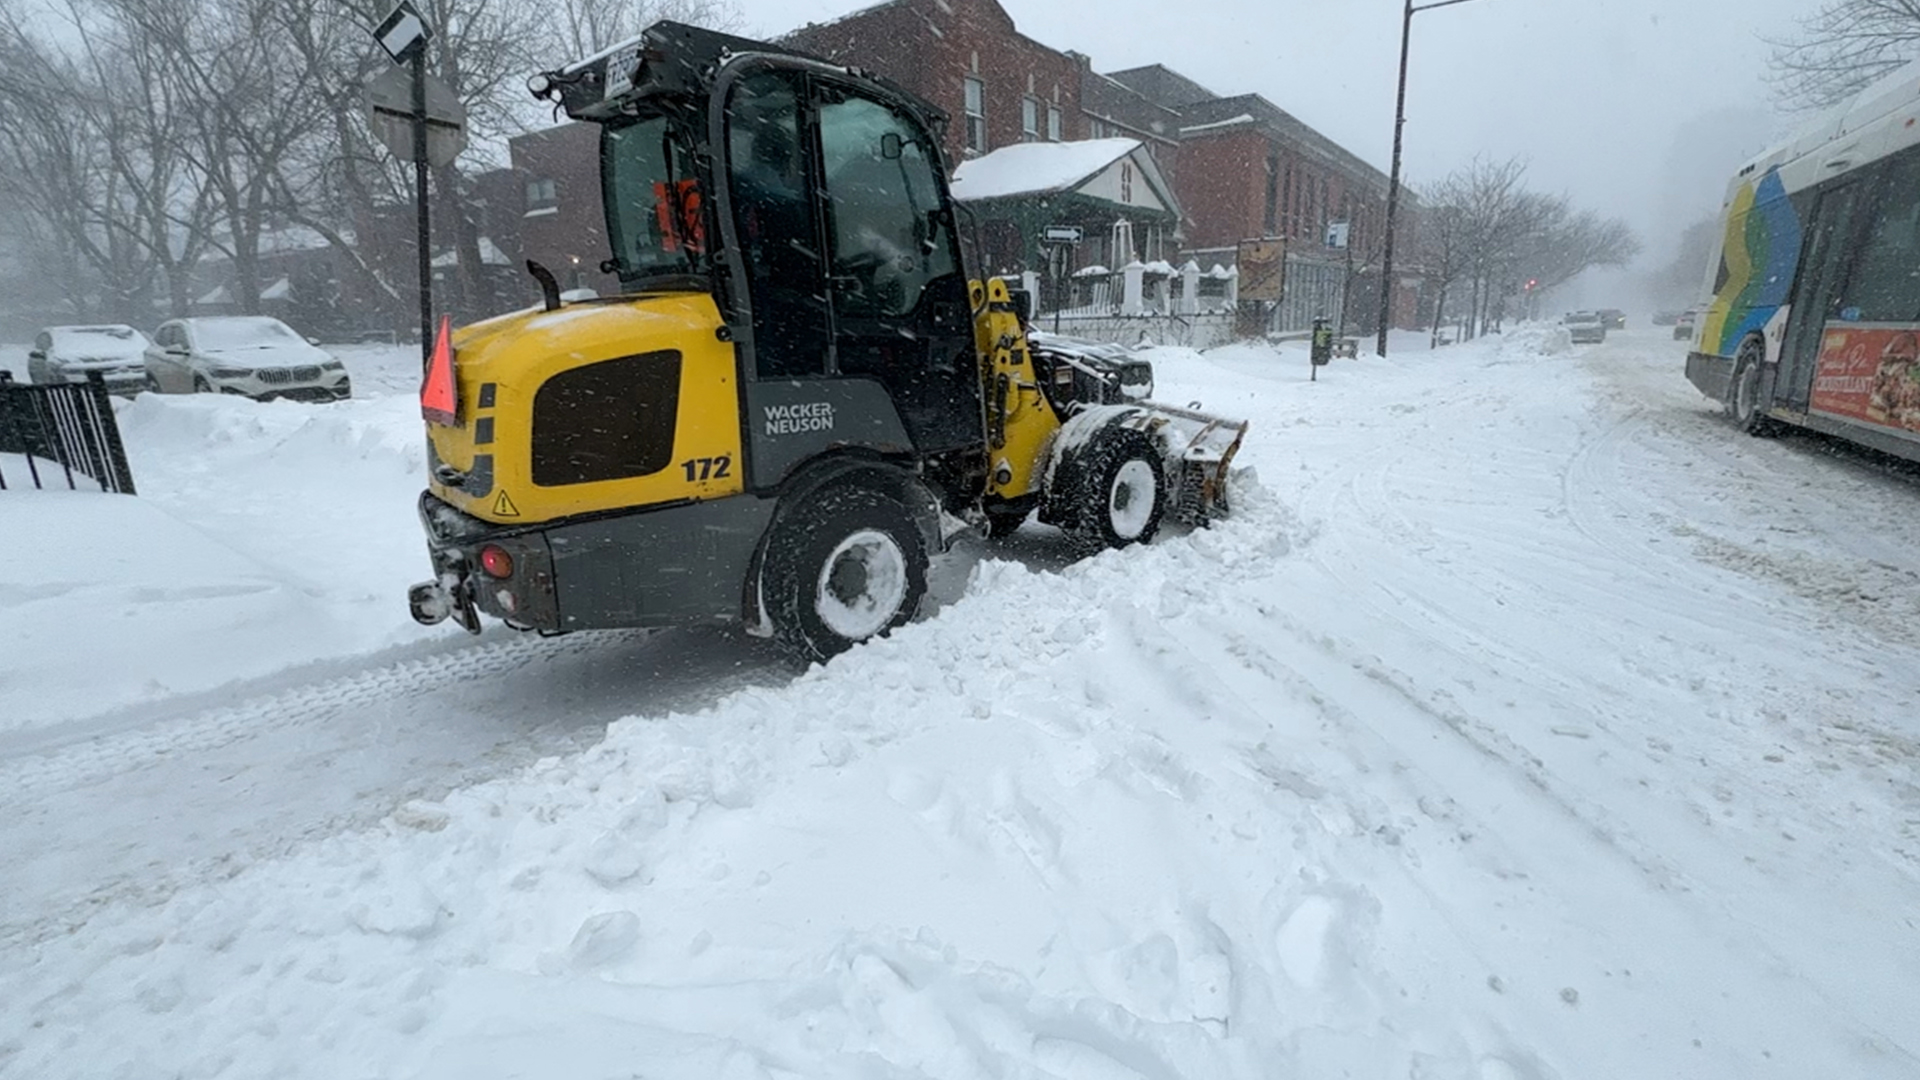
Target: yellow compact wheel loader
799, 395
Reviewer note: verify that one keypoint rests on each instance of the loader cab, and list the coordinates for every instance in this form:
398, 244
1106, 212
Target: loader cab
813, 204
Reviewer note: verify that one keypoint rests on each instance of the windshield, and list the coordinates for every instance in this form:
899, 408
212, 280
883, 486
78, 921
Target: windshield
656, 214
249, 333
105, 340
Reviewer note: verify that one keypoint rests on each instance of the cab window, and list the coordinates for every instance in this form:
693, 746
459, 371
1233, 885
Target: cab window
889, 237
656, 212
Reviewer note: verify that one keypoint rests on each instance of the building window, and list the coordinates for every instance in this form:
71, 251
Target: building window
1053, 123
542, 193
976, 115
1029, 118
1126, 181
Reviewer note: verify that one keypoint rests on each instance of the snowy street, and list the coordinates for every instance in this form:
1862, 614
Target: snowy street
1524, 722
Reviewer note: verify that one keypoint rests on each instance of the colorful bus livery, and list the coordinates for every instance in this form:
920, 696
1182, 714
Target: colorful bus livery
1813, 311
1760, 250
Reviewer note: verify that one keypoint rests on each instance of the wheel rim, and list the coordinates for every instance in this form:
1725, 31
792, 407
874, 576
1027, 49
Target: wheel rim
1746, 392
862, 585
1130, 501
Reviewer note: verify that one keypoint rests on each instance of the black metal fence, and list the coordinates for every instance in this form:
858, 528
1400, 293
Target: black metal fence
63, 429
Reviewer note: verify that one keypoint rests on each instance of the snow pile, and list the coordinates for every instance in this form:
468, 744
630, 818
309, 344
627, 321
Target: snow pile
1536, 339
264, 535
1449, 755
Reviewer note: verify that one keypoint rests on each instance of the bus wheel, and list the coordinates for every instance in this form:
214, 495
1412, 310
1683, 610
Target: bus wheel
1750, 392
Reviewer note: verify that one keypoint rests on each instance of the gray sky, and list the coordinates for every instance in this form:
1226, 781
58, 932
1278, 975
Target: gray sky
1637, 108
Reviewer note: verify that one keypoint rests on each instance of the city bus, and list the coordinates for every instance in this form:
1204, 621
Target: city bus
1812, 316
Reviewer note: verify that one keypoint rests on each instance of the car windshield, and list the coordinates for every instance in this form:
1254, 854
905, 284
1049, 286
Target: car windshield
102, 340
226, 335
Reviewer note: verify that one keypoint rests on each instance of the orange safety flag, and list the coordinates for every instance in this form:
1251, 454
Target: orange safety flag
439, 394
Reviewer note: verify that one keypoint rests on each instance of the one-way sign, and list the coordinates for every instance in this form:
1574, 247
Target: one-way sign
390, 114
402, 33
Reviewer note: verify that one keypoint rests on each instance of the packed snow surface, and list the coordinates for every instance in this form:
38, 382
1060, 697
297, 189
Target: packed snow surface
1522, 722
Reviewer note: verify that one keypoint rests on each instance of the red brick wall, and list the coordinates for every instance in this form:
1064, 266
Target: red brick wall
1222, 187
573, 237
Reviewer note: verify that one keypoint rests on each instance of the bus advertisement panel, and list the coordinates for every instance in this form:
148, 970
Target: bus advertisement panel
1870, 373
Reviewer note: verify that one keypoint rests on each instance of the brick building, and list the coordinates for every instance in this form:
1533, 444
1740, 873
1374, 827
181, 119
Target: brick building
562, 225
999, 86
1248, 168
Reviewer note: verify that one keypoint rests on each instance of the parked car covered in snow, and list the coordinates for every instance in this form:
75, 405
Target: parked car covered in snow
67, 353
1585, 327
1683, 327
252, 355
1614, 318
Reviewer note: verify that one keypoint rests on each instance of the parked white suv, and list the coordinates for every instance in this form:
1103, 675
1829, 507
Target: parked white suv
253, 355
1586, 327
67, 353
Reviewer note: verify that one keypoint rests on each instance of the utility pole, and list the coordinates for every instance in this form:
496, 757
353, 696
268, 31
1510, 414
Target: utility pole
1393, 177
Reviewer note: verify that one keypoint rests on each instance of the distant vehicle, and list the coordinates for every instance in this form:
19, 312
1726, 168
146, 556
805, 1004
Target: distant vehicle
1684, 324
67, 353
1665, 318
1614, 318
1585, 327
1813, 311
251, 355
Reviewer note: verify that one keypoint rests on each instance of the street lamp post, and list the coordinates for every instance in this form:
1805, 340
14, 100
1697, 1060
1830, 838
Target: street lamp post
1393, 180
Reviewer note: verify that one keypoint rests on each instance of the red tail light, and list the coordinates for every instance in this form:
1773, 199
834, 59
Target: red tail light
496, 562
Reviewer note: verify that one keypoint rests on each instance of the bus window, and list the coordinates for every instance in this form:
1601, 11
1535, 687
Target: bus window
1884, 286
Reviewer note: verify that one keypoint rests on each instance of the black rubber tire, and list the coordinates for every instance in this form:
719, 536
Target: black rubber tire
201, 385
1101, 496
1751, 382
1004, 521
798, 577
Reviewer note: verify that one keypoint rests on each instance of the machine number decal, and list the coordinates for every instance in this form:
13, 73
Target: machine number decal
707, 468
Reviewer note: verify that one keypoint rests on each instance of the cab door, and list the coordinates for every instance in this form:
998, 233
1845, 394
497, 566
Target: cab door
898, 297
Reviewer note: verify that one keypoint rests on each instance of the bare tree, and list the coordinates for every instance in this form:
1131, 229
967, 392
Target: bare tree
583, 27
1844, 47
1484, 229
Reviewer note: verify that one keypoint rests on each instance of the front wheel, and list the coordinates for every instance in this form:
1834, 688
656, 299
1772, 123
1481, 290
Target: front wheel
1124, 492
201, 385
844, 569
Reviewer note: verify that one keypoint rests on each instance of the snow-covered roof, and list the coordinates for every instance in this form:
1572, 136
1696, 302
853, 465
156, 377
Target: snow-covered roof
219, 295
490, 255
1243, 118
1031, 168
279, 290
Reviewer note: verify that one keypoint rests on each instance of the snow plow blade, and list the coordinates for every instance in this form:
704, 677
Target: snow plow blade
1196, 451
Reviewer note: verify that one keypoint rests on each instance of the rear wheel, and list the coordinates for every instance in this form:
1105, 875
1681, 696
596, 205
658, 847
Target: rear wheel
1750, 392
845, 568
1123, 492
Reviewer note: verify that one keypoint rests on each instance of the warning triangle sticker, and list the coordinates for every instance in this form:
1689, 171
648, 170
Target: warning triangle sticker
439, 394
503, 507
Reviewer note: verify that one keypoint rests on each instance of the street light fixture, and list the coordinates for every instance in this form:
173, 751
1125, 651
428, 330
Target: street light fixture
1393, 181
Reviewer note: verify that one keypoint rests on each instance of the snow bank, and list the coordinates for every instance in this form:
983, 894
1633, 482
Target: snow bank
264, 535
107, 600
1448, 756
